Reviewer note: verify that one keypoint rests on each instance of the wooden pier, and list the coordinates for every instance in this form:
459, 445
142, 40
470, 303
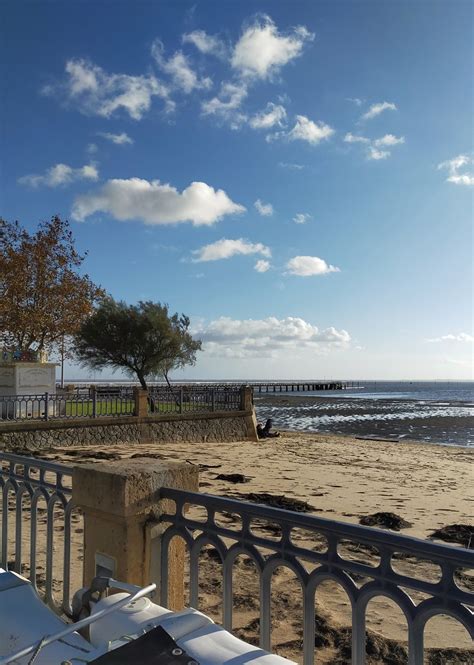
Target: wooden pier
304, 386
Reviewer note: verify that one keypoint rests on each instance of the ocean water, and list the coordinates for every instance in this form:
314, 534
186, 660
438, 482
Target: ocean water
435, 412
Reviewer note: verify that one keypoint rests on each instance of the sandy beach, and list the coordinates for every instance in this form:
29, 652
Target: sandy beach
342, 478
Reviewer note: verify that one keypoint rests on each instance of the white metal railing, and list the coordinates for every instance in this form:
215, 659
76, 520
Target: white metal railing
445, 597
48, 487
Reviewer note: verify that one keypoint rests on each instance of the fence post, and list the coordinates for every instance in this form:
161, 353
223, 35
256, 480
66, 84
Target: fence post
93, 393
123, 536
141, 402
213, 399
181, 396
46, 406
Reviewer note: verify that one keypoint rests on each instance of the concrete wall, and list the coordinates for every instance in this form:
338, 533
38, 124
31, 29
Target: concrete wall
218, 426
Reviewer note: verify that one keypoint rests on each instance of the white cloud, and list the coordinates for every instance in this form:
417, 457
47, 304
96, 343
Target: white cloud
454, 165
91, 148
374, 145
118, 139
374, 153
307, 130
301, 218
377, 109
207, 44
389, 140
153, 202
262, 265
179, 69
461, 337
273, 114
267, 337
264, 209
227, 104
291, 166
95, 92
60, 174
354, 138
355, 100
262, 50
225, 249
306, 266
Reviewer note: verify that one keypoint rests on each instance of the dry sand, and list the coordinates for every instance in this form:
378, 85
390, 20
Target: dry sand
344, 479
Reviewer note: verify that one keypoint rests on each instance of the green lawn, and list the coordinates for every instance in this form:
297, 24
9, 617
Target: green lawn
104, 408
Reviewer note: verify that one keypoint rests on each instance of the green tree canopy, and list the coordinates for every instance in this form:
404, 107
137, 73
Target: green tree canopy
43, 297
143, 339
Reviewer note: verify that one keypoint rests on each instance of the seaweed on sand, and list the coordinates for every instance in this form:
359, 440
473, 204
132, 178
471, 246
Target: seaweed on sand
385, 521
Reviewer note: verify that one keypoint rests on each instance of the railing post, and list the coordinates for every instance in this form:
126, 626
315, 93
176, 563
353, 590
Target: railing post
46, 406
123, 537
181, 396
93, 394
141, 402
213, 399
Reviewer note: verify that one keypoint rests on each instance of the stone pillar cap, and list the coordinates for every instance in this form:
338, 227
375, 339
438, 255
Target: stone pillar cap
129, 487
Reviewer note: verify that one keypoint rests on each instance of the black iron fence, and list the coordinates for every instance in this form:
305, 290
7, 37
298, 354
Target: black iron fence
120, 401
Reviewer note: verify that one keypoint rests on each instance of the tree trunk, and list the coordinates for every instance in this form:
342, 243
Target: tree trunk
143, 384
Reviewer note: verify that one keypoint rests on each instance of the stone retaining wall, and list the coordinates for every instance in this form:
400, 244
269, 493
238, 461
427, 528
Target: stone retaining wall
218, 426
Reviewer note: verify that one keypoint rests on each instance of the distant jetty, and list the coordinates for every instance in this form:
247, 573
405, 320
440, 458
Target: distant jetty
303, 386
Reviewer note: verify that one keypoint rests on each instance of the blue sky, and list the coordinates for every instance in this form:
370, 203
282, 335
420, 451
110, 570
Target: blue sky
297, 177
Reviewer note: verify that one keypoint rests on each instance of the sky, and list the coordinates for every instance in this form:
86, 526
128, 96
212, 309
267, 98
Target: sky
295, 176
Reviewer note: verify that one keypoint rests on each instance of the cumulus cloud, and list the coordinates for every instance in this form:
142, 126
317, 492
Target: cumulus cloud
273, 114
355, 138
267, 337
453, 167
95, 92
304, 130
225, 249
207, 44
118, 139
60, 174
179, 69
374, 153
374, 146
309, 131
153, 202
377, 109
226, 105
301, 218
307, 266
389, 140
460, 337
262, 265
264, 209
262, 50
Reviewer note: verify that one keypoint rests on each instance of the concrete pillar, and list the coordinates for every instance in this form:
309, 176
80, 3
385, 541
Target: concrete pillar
141, 402
122, 533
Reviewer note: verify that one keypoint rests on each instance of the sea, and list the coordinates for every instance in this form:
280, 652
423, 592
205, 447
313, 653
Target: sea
432, 411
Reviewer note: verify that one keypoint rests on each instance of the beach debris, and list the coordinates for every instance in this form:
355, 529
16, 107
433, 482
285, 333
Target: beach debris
384, 520
461, 534
150, 455
233, 477
204, 467
279, 501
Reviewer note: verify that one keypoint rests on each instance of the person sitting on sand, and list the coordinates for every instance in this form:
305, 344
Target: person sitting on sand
264, 432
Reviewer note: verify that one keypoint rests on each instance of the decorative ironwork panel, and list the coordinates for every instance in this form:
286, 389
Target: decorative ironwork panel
361, 580
37, 522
